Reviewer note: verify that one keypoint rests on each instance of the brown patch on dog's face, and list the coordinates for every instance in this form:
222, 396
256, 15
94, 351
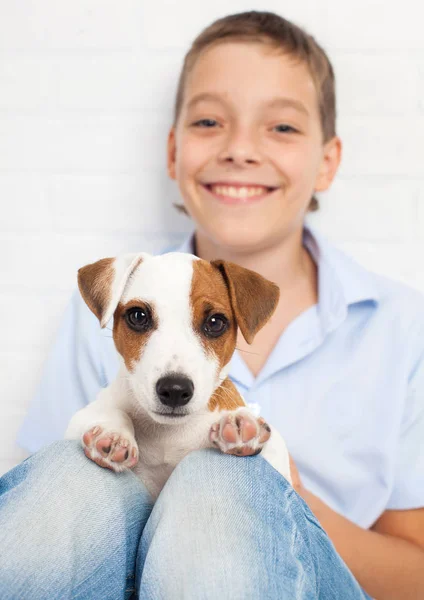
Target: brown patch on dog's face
253, 298
95, 283
226, 397
209, 296
129, 333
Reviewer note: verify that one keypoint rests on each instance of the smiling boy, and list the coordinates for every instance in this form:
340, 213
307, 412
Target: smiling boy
251, 153
254, 139
338, 369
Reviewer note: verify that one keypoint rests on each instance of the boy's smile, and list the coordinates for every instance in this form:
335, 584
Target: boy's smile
247, 150
237, 192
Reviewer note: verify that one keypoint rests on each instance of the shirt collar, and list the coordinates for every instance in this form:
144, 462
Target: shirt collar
353, 281
341, 281
187, 245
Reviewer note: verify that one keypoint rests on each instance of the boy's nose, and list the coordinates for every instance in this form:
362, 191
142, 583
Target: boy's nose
240, 149
174, 390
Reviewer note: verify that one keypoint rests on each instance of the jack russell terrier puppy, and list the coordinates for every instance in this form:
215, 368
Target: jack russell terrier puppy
175, 320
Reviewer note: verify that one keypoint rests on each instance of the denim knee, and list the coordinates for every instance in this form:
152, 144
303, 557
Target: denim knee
63, 464
211, 464
68, 523
225, 514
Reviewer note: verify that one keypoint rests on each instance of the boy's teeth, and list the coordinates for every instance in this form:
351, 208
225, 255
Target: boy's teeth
238, 192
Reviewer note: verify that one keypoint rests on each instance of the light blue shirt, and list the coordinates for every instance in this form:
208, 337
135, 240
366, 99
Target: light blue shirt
344, 385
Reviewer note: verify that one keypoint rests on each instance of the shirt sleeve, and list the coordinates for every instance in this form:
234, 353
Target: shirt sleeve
71, 378
408, 488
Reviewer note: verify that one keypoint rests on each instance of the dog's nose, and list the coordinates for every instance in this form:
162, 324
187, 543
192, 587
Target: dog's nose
174, 390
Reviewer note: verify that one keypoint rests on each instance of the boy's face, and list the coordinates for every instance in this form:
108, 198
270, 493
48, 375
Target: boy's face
247, 150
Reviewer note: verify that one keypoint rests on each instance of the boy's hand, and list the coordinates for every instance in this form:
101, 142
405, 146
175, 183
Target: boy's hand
296, 481
311, 500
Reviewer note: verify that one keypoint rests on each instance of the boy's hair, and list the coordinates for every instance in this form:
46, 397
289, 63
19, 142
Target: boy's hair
269, 28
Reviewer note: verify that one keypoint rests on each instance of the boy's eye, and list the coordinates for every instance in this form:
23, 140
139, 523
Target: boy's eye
282, 128
205, 123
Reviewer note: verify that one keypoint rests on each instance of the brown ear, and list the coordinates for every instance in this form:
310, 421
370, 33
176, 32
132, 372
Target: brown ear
95, 285
102, 283
253, 297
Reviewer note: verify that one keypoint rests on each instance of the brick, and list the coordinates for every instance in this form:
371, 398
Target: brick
139, 203
84, 24
27, 83
84, 144
120, 81
26, 203
375, 84
49, 263
380, 145
368, 209
420, 68
417, 280
420, 212
87, 96
373, 24
101, 83
173, 31
43, 311
399, 261
20, 372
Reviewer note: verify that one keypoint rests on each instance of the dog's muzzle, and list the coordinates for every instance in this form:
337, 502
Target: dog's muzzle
174, 390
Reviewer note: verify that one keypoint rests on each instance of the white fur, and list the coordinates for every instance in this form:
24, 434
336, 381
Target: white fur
123, 267
128, 406
165, 283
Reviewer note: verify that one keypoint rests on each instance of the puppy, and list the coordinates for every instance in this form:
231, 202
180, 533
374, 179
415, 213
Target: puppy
175, 321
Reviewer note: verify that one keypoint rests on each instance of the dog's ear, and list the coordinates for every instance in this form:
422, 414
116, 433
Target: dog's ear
102, 283
253, 297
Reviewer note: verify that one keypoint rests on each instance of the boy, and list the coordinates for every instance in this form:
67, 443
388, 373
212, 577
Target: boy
338, 369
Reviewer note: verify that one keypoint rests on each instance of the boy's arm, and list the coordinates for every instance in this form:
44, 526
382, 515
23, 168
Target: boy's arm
387, 561
72, 376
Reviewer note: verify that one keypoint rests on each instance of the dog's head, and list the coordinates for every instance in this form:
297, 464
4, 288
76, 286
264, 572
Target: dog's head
175, 323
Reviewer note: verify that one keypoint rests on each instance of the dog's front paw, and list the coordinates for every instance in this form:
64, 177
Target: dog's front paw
114, 450
240, 433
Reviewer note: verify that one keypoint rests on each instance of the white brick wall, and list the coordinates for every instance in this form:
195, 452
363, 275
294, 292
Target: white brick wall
86, 96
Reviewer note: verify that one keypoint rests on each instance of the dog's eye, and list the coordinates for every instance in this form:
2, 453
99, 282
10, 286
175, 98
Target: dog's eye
215, 325
138, 319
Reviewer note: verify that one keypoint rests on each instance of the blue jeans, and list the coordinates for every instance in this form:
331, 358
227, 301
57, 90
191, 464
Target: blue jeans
222, 528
